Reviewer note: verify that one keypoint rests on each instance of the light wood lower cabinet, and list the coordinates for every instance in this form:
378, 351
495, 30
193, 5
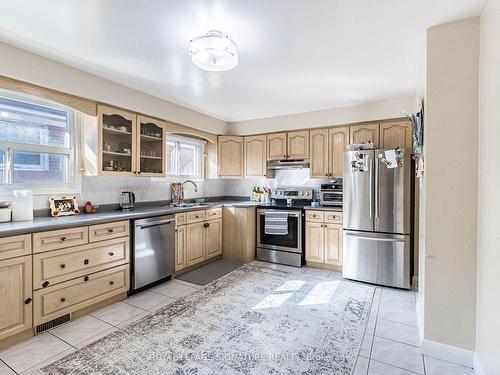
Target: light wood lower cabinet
73, 295
15, 296
324, 237
195, 243
15, 246
239, 233
180, 248
60, 239
213, 238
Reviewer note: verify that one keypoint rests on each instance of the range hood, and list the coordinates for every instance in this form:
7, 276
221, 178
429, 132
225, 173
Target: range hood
287, 164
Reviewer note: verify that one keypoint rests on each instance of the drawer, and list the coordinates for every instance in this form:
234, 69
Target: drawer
61, 265
15, 246
214, 213
180, 219
60, 239
108, 231
333, 217
52, 302
195, 216
315, 216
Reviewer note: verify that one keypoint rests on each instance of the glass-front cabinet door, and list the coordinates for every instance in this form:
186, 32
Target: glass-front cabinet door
117, 141
150, 146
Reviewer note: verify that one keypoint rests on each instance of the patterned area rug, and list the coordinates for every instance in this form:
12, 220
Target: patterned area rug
252, 321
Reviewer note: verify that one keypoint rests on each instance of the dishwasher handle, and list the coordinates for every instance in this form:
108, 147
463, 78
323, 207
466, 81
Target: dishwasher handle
156, 223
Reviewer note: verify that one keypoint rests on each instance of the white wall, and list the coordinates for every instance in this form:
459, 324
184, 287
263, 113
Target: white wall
451, 156
29, 67
386, 109
488, 249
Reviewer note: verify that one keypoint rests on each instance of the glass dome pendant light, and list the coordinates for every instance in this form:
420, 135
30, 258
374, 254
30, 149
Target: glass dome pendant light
214, 52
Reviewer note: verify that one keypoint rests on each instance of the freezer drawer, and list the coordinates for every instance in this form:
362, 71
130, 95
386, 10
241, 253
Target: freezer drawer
377, 258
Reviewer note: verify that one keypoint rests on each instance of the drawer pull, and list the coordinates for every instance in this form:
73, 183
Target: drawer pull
111, 254
86, 261
63, 239
63, 265
196, 216
86, 278
45, 284
206, 225
63, 299
110, 230
28, 300
111, 282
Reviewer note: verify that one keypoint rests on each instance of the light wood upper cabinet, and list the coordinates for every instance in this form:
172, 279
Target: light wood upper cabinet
339, 140
16, 294
180, 248
255, 156
396, 134
195, 243
319, 153
213, 238
117, 141
315, 242
150, 147
298, 145
333, 244
276, 146
230, 156
365, 133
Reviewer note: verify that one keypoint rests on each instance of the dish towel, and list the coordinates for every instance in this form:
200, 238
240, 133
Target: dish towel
276, 223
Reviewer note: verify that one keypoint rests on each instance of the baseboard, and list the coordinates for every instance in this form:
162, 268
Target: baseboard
478, 370
420, 321
414, 283
448, 353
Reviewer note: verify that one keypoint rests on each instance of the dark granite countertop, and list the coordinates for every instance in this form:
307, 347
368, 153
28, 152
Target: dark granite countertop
41, 224
324, 208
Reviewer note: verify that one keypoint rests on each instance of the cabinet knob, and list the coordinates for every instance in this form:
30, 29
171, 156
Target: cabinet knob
63, 266
63, 299
86, 278
86, 261
111, 253
28, 300
110, 230
206, 225
111, 282
139, 172
45, 284
63, 239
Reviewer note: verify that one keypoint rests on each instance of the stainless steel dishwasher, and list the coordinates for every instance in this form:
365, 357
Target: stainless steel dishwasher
153, 250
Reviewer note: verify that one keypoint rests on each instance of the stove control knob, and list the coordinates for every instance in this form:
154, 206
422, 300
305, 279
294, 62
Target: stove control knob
307, 194
301, 193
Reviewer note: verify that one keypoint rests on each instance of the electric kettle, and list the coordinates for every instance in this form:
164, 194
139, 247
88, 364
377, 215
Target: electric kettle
127, 200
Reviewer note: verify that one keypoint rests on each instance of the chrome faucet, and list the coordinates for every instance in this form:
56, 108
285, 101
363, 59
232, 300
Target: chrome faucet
182, 189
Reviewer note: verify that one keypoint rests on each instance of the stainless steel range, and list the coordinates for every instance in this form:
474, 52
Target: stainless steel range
280, 226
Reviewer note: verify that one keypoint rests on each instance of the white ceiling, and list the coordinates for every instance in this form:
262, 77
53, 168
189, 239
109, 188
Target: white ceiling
295, 55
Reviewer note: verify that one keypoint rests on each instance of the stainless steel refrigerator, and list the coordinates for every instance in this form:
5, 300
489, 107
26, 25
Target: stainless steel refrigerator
377, 218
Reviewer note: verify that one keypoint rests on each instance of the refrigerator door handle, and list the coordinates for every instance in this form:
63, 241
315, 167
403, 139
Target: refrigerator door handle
371, 195
370, 238
376, 186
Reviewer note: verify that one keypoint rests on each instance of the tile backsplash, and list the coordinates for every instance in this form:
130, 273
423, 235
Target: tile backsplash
107, 189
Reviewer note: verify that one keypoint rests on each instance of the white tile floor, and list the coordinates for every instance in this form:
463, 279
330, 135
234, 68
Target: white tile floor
390, 345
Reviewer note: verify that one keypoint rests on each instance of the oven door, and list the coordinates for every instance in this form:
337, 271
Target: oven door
331, 198
292, 241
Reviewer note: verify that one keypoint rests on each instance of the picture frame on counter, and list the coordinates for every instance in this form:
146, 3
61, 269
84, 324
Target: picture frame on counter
63, 206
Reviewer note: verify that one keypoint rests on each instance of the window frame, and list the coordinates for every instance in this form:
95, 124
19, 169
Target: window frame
200, 144
75, 129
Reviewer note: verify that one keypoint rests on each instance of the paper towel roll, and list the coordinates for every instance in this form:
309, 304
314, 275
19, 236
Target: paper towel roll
22, 205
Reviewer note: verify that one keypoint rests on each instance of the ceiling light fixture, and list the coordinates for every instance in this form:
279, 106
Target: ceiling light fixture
214, 52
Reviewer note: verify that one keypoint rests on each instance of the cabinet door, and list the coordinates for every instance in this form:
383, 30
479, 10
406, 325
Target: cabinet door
180, 248
230, 157
255, 156
213, 238
276, 146
195, 243
315, 242
117, 141
16, 292
396, 134
298, 145
150, 147
365, 133
319, 153
333, 244
339, 140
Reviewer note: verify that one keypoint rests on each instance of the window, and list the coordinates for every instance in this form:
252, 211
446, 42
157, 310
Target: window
37, 144
184, 157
